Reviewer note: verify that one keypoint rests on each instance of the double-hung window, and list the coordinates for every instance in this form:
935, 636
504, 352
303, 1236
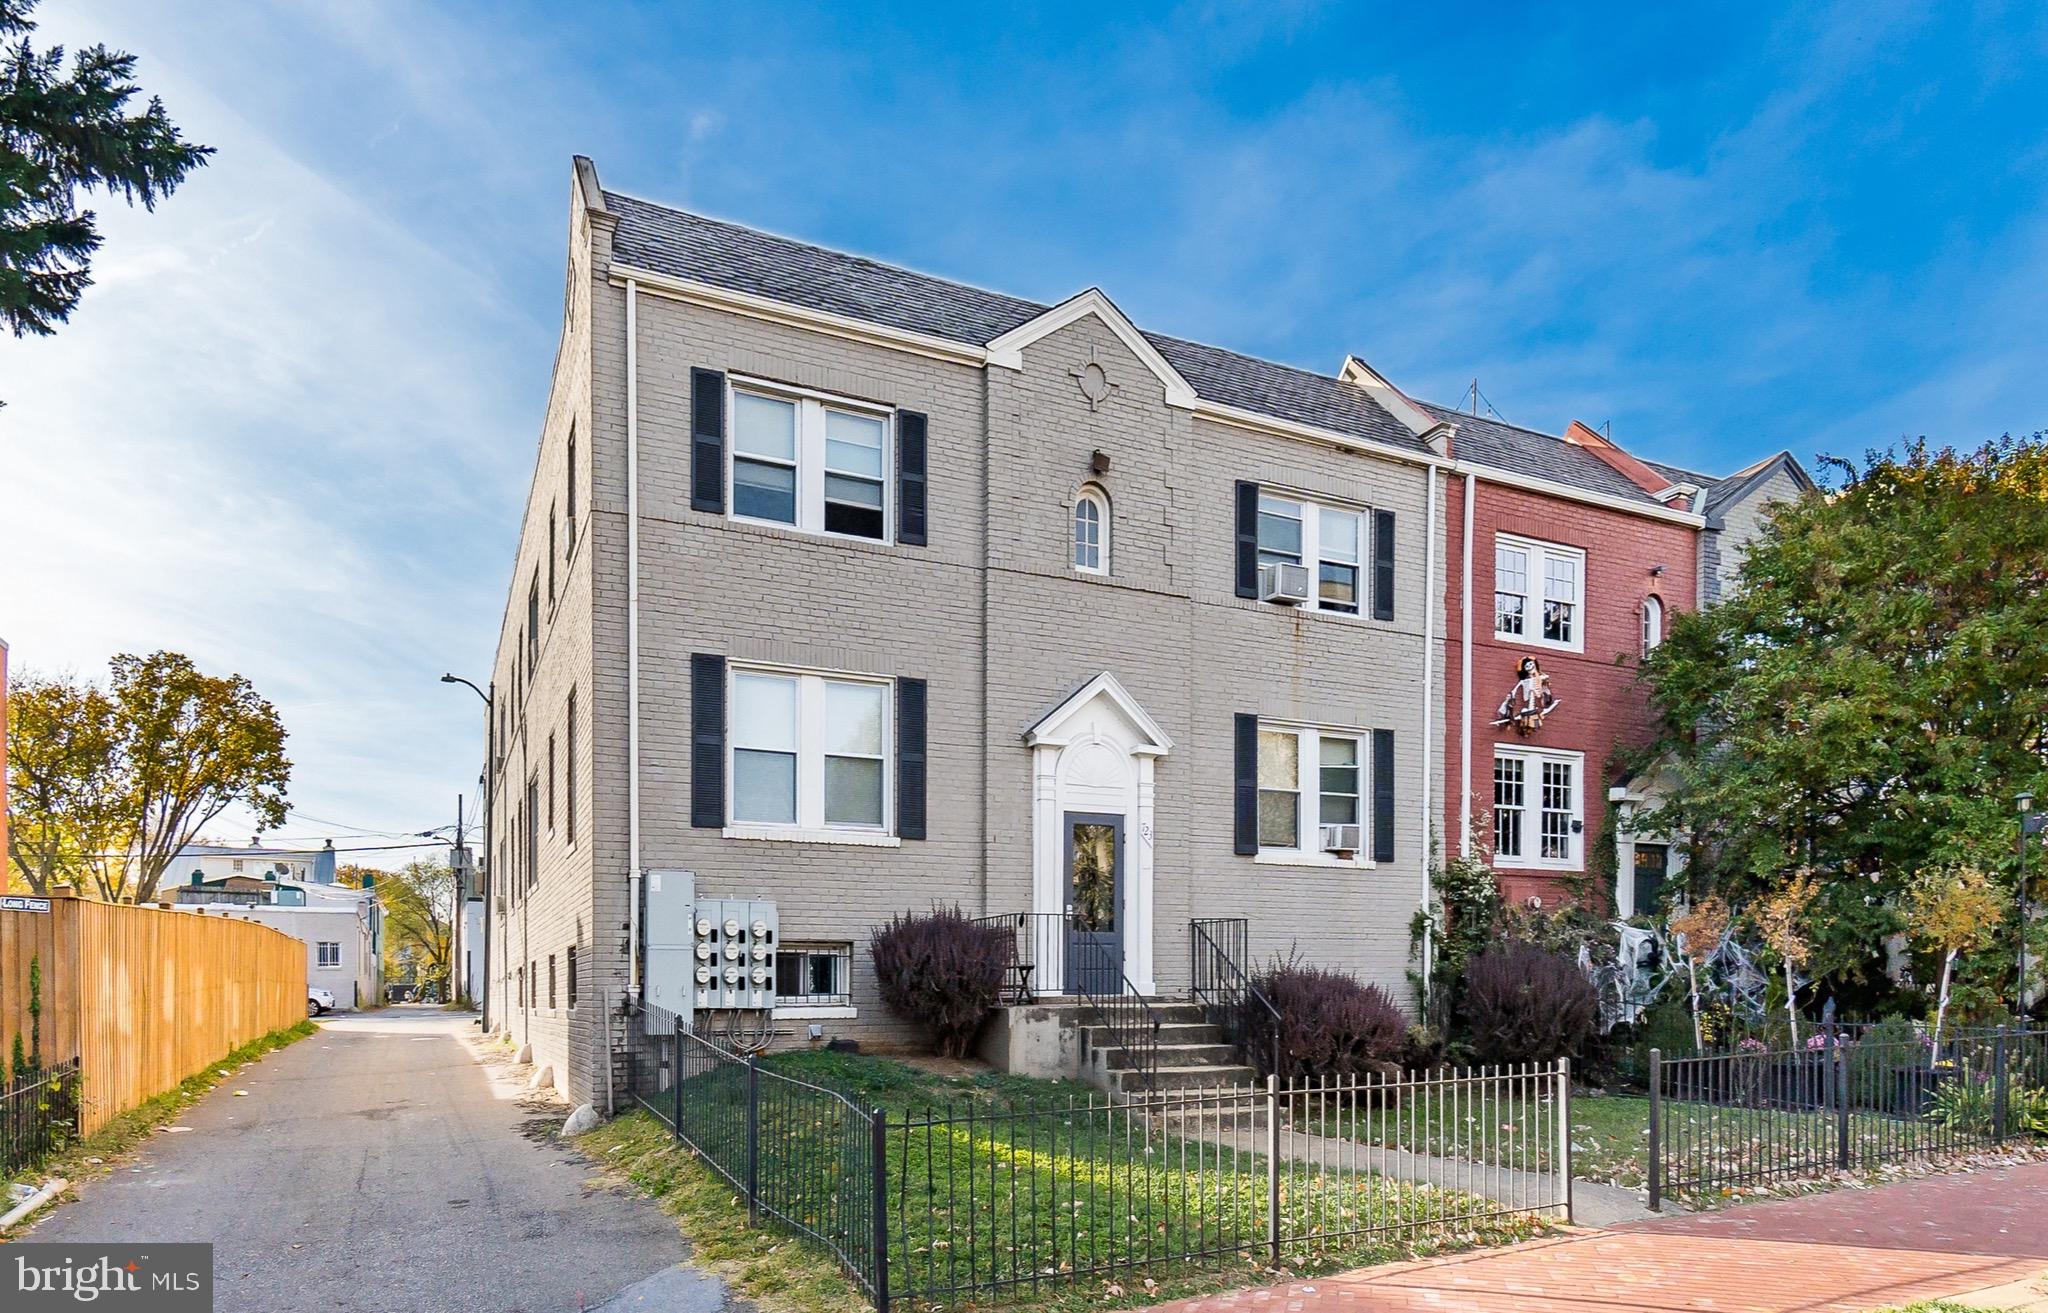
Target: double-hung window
809, 751
814, 975
1329, 540
810, 462
1538, 592
1538, 808
1311, 791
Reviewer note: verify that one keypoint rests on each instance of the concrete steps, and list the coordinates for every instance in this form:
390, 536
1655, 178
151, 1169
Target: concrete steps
1060, 1037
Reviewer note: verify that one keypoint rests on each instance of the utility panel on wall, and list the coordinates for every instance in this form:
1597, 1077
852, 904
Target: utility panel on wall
671, 900
734, 953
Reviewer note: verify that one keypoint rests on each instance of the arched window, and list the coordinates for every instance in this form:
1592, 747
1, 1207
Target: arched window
1653, 621
1091, 530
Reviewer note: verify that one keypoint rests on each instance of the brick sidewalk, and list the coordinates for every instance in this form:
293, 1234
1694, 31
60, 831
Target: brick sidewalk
1848, 1250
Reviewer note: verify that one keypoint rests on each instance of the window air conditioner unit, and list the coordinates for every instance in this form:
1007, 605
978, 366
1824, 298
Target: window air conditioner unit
1341, 838
1283, 582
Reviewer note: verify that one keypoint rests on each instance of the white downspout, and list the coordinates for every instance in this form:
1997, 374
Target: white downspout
1465, 683
632, 642
1428, 705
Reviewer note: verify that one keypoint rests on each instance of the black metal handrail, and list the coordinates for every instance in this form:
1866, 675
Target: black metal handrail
1090, 971
1114, 1003
1034, 937
1217, 947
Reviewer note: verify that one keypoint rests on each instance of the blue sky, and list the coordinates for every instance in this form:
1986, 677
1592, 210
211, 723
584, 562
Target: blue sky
290, 429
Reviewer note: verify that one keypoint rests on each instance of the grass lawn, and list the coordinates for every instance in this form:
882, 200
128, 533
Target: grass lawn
1013, 1193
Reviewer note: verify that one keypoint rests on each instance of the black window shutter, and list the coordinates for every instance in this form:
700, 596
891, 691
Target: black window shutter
707, 441
1383, 795
1247, 539
910, 758
1245, 797
1383, 565
910, 478
707, 741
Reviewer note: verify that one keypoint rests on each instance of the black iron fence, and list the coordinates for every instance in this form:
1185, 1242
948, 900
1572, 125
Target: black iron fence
992, 1196
1840, 1101
38, 1114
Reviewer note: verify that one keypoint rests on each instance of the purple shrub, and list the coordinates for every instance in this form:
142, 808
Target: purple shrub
1525, 1004
943, 972
1331, 1024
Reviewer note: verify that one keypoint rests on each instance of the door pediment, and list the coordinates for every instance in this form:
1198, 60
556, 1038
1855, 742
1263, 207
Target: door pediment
1102, 708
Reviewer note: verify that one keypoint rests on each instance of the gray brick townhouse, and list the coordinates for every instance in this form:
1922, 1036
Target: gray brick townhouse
856, 591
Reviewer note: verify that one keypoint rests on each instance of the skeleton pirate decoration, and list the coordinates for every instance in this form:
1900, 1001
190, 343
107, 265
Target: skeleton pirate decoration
1529, 701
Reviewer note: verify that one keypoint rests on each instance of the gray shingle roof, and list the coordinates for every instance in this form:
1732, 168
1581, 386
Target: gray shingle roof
740, 259
1525, 451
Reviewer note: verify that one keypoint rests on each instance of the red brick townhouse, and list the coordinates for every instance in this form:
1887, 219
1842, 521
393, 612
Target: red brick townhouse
1566, 558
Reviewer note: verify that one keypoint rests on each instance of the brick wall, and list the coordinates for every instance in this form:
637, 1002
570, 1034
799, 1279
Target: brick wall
1602, 708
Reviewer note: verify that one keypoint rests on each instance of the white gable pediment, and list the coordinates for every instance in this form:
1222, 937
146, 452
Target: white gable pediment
1079, 715
1007, 351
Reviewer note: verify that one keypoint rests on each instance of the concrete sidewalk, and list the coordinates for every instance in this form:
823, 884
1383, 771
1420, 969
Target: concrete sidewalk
1984, 1231
376, 1166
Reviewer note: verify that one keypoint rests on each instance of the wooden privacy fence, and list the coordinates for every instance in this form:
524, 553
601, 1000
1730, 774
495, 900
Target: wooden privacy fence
142, 996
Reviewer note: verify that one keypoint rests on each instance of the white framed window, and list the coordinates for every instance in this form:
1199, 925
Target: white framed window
1312, 785
808, 751
1538, 808
1653, 621
1538, 593
1329, 540
329, 952
809, 461
814, 975
1091, 530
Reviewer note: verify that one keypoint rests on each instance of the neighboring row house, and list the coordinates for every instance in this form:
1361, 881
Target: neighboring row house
853, 591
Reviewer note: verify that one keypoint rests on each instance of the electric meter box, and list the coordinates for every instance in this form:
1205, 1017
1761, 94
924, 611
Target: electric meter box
733, 954
668, 900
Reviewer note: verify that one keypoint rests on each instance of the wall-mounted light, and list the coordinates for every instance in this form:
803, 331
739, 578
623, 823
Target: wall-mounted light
1099, 462
1656, 571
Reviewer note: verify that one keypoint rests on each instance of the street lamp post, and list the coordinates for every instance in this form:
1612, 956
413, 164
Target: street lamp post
490, 792
2031, 823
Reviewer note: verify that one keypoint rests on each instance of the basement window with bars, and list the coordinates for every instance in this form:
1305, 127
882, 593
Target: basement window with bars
814, 975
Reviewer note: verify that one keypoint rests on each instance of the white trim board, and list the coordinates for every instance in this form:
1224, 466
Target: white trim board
1007, 351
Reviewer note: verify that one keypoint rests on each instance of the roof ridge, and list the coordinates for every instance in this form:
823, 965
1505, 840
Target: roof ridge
838, 252
875, 262
1492, 419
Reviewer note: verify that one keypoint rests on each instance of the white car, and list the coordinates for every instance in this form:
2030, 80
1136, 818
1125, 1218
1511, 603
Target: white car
318, 1000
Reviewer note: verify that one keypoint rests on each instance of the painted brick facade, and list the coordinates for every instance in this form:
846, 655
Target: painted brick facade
990, 614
